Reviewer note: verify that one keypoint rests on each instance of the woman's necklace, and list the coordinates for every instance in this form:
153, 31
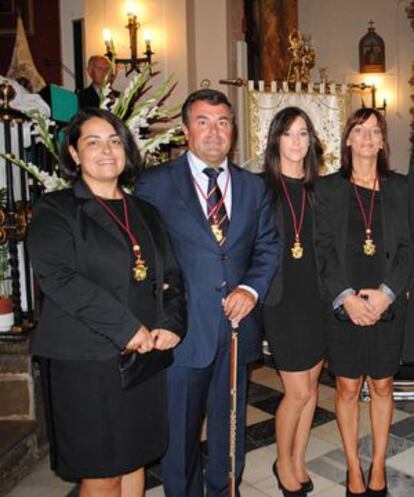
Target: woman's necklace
140, 269
368, 246
297, 249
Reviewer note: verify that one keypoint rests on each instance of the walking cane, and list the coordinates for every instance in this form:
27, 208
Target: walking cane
233, 409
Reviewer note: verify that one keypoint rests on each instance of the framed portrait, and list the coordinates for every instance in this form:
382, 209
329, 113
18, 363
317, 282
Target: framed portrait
9, 10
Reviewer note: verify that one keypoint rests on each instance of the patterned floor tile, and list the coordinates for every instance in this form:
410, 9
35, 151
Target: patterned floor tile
329, 433
270, 403
332, 491
260, 435
396, 445
258, 465
317, 447
399, 483
257, 392
403, 462
404, 428
328, 468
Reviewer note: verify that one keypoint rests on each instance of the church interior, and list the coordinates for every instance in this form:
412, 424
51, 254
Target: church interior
329, 57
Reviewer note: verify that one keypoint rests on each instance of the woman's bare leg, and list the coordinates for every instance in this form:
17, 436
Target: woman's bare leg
100, 487
297, 394
305, 424
347, 416
381, 417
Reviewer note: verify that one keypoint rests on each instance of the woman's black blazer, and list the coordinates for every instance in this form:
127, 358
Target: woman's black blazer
332, 207
408, 347
83, 265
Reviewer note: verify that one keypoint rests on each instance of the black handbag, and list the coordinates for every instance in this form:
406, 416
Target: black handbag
134, 368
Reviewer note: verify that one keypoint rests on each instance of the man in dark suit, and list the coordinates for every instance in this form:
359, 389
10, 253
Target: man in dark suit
220, 223
98, 68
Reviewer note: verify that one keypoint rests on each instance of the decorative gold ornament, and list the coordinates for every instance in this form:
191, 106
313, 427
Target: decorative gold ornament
302, 58
369, 247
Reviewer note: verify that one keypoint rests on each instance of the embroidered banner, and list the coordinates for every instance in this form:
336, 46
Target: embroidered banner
328, 113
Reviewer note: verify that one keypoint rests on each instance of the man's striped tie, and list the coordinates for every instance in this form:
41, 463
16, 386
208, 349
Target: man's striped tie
216, 210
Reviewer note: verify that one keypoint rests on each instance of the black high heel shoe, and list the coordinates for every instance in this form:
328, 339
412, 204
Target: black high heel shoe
377, 493
307, 486
355, 494
300, 492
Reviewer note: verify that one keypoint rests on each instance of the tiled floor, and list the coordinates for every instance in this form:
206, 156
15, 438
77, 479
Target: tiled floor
325, 456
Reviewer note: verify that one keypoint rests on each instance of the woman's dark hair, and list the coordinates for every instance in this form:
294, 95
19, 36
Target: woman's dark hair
280, 124
383, 158
71, 171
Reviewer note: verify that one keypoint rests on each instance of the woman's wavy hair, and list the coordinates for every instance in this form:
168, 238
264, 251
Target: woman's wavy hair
280, 124
71, 171
383, 158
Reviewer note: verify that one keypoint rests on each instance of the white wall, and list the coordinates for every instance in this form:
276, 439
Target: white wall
69, 10
210, 26
336, 26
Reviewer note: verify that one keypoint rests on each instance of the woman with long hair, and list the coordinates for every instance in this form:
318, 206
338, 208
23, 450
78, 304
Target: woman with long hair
365, 254
293, 314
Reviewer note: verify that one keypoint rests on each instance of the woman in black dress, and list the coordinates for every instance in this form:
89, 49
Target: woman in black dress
293, 314
111, 286
363, 245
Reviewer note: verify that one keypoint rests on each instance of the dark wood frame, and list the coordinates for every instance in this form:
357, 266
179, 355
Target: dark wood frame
8, 19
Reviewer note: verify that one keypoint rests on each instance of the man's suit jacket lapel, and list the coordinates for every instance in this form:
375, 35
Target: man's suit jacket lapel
237, 206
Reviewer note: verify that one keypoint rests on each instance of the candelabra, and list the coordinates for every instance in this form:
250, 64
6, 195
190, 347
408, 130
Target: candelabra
134, 61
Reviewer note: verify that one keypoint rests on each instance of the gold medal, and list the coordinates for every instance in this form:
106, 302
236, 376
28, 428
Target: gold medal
297, 250
369, 247
140, 269
217, 232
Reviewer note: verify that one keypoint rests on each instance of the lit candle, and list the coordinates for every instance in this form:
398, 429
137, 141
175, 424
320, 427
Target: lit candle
131, 9
147, 39
107, 38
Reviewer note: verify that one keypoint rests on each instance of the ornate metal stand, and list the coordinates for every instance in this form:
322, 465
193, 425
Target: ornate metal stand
13, 215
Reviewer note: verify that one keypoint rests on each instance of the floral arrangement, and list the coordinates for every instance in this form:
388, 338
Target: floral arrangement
141, 112
141, 108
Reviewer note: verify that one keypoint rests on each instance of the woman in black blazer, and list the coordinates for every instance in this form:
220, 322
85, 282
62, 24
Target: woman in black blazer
365, 256
293, 313
111, 286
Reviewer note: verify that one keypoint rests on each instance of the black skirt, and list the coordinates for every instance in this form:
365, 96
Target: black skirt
96, 429
373, 351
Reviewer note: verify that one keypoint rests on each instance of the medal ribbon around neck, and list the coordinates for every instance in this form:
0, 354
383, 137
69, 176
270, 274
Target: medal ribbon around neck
211, 216
140, 269
369, 246
297, 249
